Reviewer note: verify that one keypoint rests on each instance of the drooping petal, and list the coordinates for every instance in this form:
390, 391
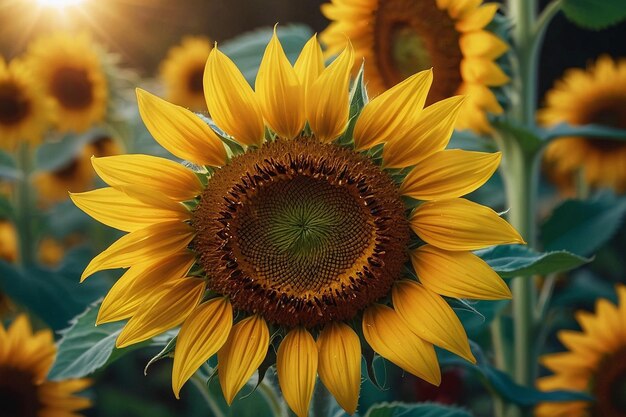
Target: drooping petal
167, 307
327, 105
296, 365
203, 333
482, 44
310, 63
477, 18
480, 96
242, 354
132, 288
117, 209
153, 173
231, 101
279, 91
180, 131
390, 337
483, 71
457, 274
340, 364
458, 224
429, 134
450, 173
153, 242
431, 318
388, 114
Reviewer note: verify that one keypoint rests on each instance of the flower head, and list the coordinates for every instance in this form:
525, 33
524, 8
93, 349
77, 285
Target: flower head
299, 228
398, 38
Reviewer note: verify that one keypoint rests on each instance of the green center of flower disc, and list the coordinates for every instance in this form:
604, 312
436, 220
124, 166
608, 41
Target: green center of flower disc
409, 52
13, 105
72, 88
301, 232
18, 394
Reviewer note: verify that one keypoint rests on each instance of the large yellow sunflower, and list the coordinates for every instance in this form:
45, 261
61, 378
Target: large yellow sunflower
398, 38
25, 112
182, 71
595, 363
25, 359
71, 70
298, 230
597, 95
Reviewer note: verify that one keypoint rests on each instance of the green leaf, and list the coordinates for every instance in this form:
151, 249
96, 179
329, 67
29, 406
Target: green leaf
518, 260
55, 296
51, 156
84, 347
581, 226
594, 14
476, 316
526, 138
246, 50
591, 131
397, 409
8, 169
358, 100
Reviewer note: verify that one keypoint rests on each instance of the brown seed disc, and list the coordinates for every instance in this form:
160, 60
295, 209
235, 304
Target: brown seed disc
301, 232
18, 393
72, 88
609, 386
14, 106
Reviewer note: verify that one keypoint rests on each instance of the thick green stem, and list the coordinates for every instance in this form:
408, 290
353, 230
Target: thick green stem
524, 13
23, 205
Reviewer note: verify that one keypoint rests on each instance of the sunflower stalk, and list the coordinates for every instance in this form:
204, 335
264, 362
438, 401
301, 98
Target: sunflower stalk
23, 204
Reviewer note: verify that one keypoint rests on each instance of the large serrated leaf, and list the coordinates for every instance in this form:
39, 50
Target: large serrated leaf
594, 14
581, 226
517, 260
397, 409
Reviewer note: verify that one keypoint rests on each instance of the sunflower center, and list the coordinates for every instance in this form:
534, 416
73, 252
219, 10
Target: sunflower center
301, 232
72, 88
13, 105
195, 80
609, 387
18, 393
410, 36
608, 112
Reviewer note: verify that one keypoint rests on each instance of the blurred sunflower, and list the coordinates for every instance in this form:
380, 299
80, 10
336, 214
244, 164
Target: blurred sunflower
300, 231
77, 175
595, 363
70, 68
182, 71
398, 38
8, 241
597, 95
25, 359
25, 112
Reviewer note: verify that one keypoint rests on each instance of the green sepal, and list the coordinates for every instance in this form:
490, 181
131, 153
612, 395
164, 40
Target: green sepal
358, 100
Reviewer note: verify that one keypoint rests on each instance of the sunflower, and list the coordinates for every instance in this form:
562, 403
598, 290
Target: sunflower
24, 110
299, 229
76, 175
597, 95
8, 241
182, 71
25, 359
70, 68
595, 363
398, 38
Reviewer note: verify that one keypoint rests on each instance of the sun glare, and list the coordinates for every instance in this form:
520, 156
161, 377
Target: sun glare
59, 4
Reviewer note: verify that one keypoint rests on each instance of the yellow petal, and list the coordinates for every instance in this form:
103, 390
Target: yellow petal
482, 97
127, 294
340, 364
152, 242
429, 134
117, 209
457, 274
459, 8
242, 354
483, 71
443, 4
459, 224
310, 63
231, 101
203, 333
296, 365
165, 308
449, 174
389, 336
482, 44
180, 131
431, 318
279, 92
386, 115
477, 18
153, 173
327, 101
